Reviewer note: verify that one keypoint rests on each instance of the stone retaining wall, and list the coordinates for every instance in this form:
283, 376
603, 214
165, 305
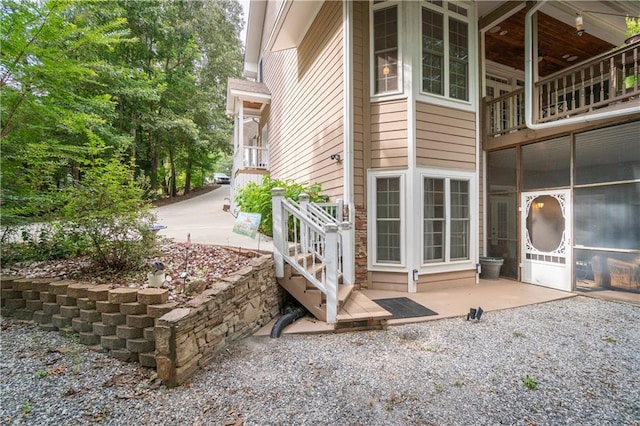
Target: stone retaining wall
139, 325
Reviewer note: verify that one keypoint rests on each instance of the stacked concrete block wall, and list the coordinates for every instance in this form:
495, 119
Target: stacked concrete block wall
139, 325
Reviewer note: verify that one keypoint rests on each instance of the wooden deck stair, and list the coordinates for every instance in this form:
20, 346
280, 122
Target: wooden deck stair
355, 310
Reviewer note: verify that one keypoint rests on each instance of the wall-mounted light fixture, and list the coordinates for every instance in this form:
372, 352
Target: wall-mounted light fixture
335, 157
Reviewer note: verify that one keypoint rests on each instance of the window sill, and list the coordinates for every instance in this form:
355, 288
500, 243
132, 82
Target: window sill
447, 267
446, 102
387, 268
388, 97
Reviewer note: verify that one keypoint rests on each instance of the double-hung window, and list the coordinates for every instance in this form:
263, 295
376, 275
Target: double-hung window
387, 206
386, 48
446, 215
445, 49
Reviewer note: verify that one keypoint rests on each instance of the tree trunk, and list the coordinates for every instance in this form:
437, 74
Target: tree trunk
187, 180
153, 164
173, 187
165, 186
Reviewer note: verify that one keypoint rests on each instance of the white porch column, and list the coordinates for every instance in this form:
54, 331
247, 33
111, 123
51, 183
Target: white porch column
279, 239
241, 132
348, 271
331, 266
303, 201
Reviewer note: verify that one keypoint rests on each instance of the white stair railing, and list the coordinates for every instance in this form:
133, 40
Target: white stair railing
313, 242
324, 213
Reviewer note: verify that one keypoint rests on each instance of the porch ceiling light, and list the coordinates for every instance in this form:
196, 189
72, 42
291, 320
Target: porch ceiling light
580, 20
579, 24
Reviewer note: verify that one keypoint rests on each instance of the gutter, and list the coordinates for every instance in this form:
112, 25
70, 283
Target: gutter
529, 86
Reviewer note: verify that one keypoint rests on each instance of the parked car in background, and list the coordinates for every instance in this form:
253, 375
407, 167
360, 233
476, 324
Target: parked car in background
221, 178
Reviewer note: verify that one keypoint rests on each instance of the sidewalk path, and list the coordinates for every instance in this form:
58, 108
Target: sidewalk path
204, 219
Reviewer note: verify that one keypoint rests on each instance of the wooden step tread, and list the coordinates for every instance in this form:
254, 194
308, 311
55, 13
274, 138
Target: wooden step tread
360, 307
344, 291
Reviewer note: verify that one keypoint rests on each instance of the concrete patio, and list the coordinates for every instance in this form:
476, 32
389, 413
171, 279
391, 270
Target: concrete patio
451, 302
204, 219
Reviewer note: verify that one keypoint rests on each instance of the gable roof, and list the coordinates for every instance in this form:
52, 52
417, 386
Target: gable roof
253, 94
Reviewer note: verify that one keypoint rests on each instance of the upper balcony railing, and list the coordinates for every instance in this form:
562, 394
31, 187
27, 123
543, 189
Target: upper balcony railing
251, 157
602, 82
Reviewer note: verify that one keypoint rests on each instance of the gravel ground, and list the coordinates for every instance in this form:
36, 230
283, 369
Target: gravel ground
581, 355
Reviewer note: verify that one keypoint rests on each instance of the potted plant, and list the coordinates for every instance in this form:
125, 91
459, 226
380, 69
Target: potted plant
490, 267
633, 29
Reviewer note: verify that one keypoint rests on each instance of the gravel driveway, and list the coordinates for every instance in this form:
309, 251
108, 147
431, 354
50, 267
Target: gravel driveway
581, 355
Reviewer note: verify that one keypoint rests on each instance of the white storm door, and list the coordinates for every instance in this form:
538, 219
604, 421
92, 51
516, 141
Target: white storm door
546, 238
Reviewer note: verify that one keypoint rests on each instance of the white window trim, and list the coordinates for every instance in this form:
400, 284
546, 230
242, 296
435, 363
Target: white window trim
372, 65
457, 265
444, 100
372, 245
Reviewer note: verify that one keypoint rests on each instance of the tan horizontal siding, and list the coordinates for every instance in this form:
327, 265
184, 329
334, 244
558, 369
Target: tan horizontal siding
361, 118
445, 137
389, 281
389, 134
306, 117
446, 280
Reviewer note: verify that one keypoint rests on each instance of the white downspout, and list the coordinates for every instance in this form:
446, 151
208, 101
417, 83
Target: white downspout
347, 40
410, 74
529, 92
347, 8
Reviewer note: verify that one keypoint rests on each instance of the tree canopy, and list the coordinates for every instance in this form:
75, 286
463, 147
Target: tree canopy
82, 83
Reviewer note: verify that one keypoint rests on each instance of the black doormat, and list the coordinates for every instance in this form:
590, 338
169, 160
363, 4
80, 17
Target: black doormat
403, 307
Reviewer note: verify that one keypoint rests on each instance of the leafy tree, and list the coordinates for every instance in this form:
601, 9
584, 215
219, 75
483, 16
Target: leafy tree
52, 116
187, 50
90, 87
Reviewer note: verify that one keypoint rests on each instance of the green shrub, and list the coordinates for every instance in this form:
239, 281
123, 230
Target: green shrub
108, 209
43, 242
255, 198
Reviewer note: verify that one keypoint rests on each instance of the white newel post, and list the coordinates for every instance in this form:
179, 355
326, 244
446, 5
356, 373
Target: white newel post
331, 265
303, 201
348, 273
279, 238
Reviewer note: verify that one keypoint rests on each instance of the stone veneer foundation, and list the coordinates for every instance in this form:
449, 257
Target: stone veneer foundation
139, 325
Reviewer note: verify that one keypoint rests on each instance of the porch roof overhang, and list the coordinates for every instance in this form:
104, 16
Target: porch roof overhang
255, 22
292, 21
253, 95
558, 45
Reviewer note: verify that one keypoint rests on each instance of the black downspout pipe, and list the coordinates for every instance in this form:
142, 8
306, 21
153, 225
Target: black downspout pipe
291, 313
